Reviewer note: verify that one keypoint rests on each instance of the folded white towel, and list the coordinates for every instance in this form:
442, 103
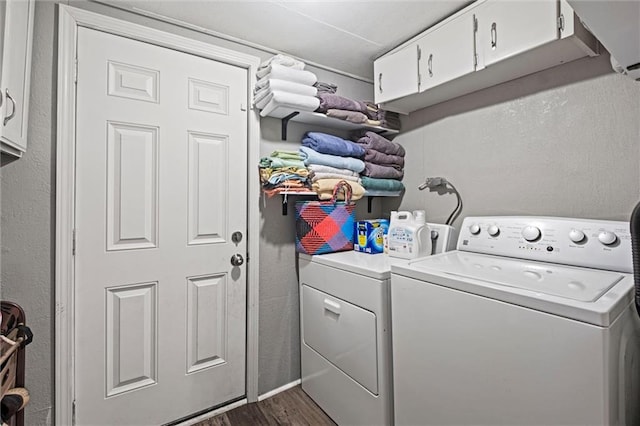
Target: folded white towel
285, 86
285, 60
321, 168
289, 100
274, 85
285, 73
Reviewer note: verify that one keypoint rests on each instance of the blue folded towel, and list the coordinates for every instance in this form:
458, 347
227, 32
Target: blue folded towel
333, 145
309, 156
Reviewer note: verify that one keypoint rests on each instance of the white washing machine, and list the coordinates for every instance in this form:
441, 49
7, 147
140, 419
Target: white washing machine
346, 333
530, 321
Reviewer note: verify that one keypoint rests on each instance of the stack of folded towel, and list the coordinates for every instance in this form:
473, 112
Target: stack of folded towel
283, 171
330, 159
360, 112
283, 82
386, 119
383, 160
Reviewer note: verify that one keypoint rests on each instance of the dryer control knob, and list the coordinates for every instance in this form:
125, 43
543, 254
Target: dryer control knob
576, 235
493, 230
474, 229
531, 233
607, 238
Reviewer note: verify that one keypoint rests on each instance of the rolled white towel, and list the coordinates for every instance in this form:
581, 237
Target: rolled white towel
275, 85
289, 100
285, 73
284, 60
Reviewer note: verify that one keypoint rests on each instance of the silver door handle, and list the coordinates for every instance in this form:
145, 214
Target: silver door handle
494, 36
237, 259
380, 82
430, 64
13, 111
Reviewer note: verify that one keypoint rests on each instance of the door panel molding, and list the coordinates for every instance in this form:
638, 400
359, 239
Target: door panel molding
68, 22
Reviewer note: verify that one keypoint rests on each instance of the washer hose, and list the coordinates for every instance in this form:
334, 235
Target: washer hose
635, 250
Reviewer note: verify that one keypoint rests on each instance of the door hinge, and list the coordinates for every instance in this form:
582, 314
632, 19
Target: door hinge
75, 71
73, 412
73, 243
475, 24
475, 61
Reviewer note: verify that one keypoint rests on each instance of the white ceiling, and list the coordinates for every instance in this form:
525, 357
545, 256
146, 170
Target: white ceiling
341, 35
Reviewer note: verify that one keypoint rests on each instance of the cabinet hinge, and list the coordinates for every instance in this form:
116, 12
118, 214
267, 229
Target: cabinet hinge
73, 243
561, 22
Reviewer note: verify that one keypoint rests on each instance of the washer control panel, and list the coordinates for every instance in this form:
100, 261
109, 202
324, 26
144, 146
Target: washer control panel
601, 244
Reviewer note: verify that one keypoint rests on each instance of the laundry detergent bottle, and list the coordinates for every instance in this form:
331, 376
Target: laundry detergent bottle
409, 236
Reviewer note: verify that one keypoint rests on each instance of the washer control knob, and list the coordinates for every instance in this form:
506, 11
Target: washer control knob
607, 238
531, 233
474, 229
493, 230
576, 235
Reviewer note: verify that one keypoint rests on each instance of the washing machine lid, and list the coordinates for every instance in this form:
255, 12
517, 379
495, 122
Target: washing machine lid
581, 293
377, 266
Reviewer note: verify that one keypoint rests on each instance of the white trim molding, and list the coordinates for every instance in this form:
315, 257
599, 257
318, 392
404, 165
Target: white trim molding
280, 389
68, 22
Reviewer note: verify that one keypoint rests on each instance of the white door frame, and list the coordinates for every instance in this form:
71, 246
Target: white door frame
69, 20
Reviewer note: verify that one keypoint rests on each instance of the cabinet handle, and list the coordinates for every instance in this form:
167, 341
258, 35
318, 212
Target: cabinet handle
430, 64
13, 111
494, 36
380, 82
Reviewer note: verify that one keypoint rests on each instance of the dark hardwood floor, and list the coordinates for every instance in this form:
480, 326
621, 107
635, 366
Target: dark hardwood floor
291, 407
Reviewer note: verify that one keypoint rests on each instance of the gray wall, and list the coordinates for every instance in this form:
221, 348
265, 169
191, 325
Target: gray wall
562, 142
28, 224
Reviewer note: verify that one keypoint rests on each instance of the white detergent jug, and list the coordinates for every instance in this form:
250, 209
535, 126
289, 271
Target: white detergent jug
409, 236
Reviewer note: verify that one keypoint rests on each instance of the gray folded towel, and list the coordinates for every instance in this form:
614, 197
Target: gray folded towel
330, 101
325, 87
381, 172
372, 140
377, 157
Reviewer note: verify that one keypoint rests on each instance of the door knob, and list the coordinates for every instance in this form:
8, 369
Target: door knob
237, 260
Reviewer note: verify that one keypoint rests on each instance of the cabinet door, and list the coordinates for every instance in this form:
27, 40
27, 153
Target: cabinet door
447, 52
507, 28
396, 75
16, 71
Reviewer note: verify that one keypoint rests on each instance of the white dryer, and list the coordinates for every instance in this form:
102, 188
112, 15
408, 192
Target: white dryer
345, 332
529, 322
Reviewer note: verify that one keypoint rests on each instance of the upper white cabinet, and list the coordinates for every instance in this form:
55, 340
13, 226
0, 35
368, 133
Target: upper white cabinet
487, 43
396, 74
16, 71
447, 52
509, 28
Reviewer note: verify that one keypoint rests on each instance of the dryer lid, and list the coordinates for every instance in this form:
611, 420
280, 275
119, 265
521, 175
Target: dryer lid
579, 284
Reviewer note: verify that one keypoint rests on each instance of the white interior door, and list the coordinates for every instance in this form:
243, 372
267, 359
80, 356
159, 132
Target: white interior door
161, 148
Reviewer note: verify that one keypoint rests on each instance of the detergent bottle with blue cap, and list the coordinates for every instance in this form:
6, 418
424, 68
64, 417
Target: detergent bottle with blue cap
409, 236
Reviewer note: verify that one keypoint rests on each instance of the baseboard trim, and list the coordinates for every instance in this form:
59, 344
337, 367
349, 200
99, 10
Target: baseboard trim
213, 413
278, 390
237, 404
